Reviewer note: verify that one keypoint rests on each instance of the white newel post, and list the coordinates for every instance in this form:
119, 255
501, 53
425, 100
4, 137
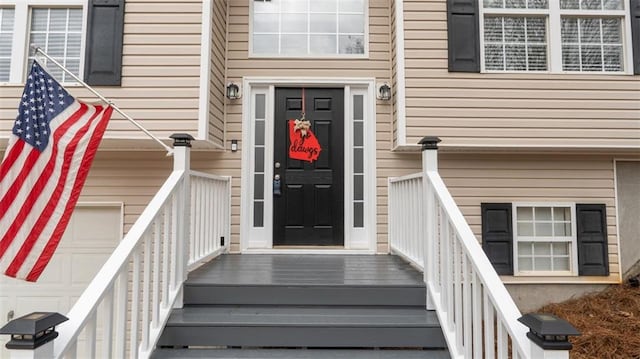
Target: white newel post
32, 335
182, 162
429, 163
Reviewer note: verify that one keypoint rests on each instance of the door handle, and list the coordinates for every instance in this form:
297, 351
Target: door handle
277, 186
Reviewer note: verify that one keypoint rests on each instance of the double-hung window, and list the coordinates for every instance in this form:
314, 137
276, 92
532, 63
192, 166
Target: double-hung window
544, 240
555, 36
56, 27
308, 28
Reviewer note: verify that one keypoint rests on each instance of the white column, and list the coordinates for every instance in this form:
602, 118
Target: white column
429, 163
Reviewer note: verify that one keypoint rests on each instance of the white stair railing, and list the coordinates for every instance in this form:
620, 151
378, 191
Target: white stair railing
479, 318
127, 304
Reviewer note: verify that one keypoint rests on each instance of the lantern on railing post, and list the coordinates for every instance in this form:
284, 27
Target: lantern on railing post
32, 335
550, 335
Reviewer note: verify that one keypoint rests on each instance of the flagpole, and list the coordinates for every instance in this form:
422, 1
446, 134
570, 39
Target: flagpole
136, 123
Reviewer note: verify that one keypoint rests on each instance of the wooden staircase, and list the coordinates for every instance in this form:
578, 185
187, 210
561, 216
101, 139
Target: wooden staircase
303, 306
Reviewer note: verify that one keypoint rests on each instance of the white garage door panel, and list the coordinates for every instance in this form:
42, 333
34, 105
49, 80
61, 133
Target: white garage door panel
93, 233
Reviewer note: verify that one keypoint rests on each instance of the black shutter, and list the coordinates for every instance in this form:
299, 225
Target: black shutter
593, 254
635, 34
463, 35
103, 55
497, 236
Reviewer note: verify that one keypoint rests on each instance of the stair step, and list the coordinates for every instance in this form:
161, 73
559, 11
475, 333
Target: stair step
298, 354
322, 295
261, 326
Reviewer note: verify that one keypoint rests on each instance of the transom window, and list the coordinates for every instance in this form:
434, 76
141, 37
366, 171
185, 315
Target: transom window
55, 26
308, 27
545, 239
565, 35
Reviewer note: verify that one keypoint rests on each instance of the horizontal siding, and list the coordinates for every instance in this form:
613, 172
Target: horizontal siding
217, 72
487, 110
160, 74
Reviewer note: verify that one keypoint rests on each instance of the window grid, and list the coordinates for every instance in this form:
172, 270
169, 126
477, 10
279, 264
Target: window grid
610, 58
580, 46
338, 34
358, 161
6, 40
259, 161
544, 238
71, 62
530, 63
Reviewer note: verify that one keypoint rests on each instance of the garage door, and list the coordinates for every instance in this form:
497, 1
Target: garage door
92, 234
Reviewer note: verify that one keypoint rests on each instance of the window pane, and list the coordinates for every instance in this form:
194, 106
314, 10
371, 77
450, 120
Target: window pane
6, 38
542, 249
590, 4
265, 44
39, 19
324, 44
357, 133
543, 229
58, 20
323, 24
294, 23
358, 160
525, 229
293, 44
611, 32
525, 248
258, 189
561, 264
4, 69
515, 4
538, 4
351, 6
493, 3
569, 30
536, 30
613, 5
494, 57
260, 106
569, 4
591, 58
514, 29
55, 46
571, 58
358, 187
6, 20
358, 107
516, 57
258, 214
294, 6
259, 133
590, 30
562, 214
323, 6
259, 159
543, 213
351, 44
493, 29
542, 264
613, 58
524, 213
525, 264
506, 43
265, 23
562, 229
537, 58
358, 215
560, 249
351, 24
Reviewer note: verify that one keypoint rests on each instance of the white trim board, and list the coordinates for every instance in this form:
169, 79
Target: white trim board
254, 239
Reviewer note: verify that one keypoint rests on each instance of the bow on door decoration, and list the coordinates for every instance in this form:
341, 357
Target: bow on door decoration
304, 144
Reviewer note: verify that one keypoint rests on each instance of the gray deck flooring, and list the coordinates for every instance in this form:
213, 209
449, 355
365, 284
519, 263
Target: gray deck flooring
306, 270
300, 354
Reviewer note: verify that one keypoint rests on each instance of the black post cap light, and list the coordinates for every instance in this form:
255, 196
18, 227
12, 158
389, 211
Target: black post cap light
181, 139
549, 331
32, 330
429, 142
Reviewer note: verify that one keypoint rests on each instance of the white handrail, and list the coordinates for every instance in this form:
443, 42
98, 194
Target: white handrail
474, 308
142, 280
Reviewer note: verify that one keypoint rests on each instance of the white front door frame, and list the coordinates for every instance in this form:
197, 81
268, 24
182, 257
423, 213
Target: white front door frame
260, 239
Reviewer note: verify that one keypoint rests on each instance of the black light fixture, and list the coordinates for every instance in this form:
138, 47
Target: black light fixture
384, 92
233, 91
548, 331
32, 330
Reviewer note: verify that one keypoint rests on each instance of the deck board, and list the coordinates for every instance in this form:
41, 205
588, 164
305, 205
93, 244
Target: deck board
310, 270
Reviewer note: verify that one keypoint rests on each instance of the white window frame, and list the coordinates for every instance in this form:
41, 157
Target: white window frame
22, 24
312, 56
573, 247
554, 35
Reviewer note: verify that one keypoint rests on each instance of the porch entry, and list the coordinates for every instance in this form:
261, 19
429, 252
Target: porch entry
308, 196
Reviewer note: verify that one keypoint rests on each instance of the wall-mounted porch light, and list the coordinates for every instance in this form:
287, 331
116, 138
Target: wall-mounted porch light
233, 91
384, 92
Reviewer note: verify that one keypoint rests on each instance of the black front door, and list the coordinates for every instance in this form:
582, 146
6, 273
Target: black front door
310, 208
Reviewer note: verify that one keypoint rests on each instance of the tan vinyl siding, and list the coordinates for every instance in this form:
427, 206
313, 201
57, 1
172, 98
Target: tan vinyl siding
160, 73
487, 110
217, 73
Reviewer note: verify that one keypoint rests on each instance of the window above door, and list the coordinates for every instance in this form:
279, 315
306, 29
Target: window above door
307, 28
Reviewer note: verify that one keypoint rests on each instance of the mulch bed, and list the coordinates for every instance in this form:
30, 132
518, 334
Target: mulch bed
609, 322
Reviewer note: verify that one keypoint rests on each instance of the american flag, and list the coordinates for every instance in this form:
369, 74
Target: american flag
54, 140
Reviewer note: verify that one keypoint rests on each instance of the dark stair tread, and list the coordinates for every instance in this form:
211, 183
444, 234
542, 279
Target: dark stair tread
303, 316
298, 354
